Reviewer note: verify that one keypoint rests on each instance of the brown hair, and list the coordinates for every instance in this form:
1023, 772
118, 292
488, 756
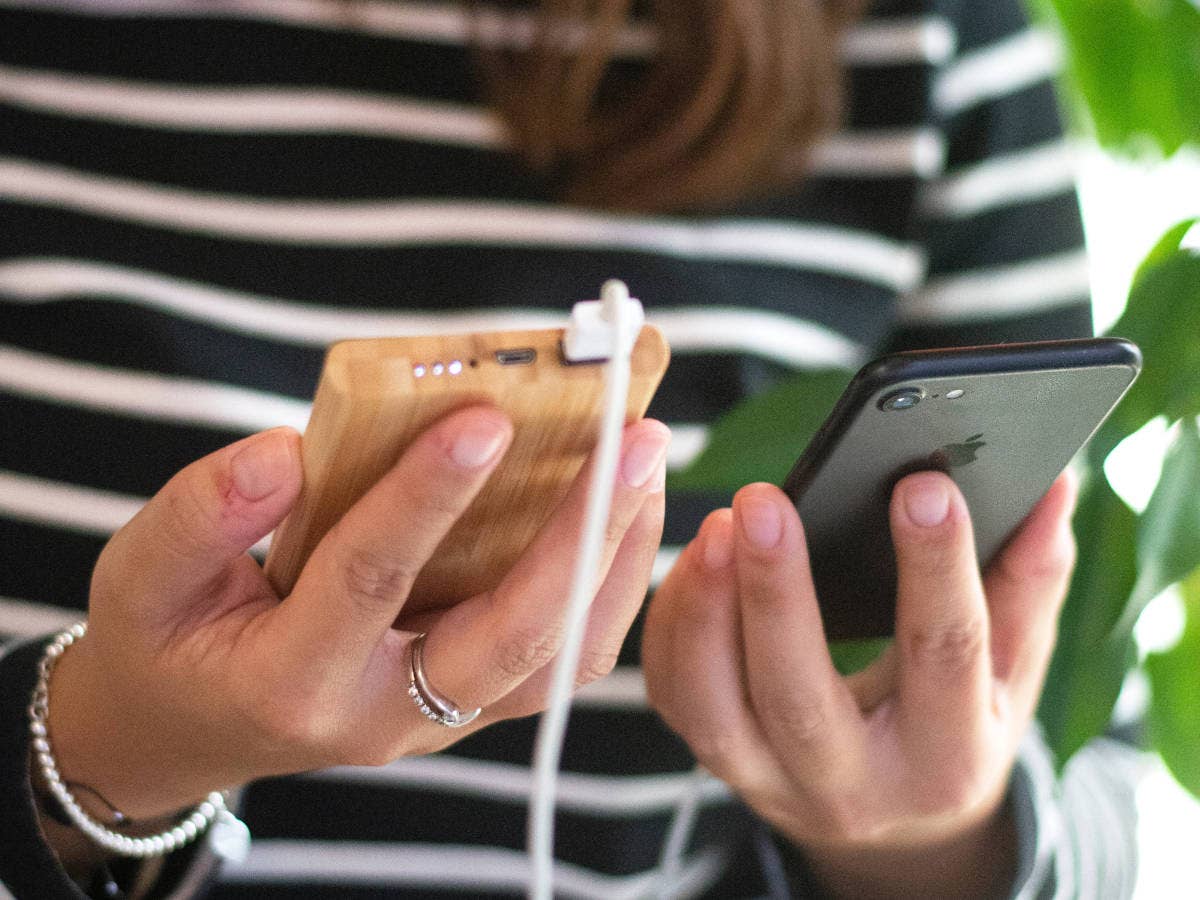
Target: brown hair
730, 102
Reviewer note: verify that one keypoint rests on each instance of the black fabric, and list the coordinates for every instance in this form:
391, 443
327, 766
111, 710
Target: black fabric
28, 868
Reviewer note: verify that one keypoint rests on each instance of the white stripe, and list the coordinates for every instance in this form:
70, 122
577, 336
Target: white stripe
146, 395
902, 151
622, 688
664, 560
62, 505
270, 109
1004, 181
999, 69
1003, 290
785, 339
883, 152
872, 42
779, 337
23, 619
444, 866
687, 442
39, 280
74, 507
435, 23
595, 795
683, 823
928, 39
423, 223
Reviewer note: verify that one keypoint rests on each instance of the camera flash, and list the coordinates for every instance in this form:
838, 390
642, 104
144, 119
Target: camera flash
954, 394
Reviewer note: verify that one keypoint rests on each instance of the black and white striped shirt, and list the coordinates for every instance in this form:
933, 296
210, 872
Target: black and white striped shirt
196, 196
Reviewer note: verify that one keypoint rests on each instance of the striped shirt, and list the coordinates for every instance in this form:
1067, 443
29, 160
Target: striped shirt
196, 196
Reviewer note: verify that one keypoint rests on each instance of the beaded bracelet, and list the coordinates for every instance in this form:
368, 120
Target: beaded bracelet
230, 837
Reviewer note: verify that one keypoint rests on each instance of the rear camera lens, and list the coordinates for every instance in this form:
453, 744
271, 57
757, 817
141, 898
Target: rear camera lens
905, 398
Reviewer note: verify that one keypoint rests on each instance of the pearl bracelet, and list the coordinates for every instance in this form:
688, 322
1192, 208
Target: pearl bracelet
230, 838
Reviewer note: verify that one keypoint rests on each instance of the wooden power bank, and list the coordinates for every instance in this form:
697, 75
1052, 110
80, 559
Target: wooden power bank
376, 396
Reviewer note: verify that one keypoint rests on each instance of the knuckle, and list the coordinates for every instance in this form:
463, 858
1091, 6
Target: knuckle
187, 516
614, 531
372, 577
440, 499
1059, 559
952, 648
528, 649
438, 492
1049, 564
935, 558
595, 665
804, 721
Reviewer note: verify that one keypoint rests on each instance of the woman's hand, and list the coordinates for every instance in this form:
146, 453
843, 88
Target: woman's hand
194, 676
890, 781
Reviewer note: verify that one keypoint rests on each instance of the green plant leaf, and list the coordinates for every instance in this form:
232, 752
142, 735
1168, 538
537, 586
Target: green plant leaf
852, 656
1167, 246
1090, 661
1168, 532
1136, 66
1163, 318
1173, 719
761, 439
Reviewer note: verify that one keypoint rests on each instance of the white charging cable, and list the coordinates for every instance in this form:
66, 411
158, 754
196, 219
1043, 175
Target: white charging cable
602, 329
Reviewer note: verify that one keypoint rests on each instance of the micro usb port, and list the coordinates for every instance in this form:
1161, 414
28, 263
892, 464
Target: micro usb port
517, 356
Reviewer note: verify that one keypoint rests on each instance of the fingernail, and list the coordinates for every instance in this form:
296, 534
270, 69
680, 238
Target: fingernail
478, 443
761, 521
659, 481
643, 459
718, 545
262, 466
927, 502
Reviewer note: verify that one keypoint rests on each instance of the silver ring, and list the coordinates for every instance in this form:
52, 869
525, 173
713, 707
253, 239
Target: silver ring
435, 706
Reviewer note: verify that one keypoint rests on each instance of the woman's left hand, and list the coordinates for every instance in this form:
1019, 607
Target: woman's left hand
891, 781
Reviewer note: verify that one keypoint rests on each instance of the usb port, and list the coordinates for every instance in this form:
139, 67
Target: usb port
518, 356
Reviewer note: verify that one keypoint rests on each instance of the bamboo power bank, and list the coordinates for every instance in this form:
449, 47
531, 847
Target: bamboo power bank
375, 396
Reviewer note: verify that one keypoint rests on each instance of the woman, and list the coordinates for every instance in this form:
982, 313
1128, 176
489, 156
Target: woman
198, 196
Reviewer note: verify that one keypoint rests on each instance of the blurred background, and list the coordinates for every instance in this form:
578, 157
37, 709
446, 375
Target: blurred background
1131, 90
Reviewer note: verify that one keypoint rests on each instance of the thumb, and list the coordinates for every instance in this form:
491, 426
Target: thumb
184, 540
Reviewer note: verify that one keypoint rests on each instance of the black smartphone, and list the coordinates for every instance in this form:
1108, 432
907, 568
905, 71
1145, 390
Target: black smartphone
1003, 421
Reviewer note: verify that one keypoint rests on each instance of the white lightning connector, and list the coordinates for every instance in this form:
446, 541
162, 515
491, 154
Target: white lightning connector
590, 334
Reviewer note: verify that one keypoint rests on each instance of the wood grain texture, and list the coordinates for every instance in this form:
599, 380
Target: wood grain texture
370, 405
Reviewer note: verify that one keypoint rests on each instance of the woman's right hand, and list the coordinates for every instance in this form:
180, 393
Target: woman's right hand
194, 676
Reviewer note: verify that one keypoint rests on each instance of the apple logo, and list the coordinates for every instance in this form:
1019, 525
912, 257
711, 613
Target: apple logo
952, 456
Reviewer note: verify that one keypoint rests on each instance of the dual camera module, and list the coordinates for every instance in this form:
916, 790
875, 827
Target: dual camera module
908, 397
